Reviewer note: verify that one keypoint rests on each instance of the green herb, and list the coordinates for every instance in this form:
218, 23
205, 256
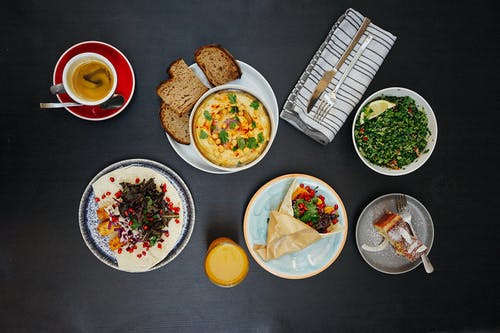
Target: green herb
252, 143
254, 124
241, 143
203, 134
232, 98
223, 136
260, 137
255, 104
232, 125
207, 115
396, 137
234, 109
311, 213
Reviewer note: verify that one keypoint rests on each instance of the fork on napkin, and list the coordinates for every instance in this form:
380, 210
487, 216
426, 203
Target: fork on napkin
351, 90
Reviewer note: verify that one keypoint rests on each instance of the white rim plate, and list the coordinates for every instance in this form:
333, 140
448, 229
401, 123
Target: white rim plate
387, 261
88, 221
250, 78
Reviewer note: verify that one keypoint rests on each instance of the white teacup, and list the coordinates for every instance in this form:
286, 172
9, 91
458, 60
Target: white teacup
88, 78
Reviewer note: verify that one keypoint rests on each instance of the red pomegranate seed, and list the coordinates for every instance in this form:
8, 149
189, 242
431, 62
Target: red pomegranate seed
177, 221
143, 253
108, 193
112, 179
120, 250
103, 196
166, 233
159, 245
97, 199
118, 194
139, 255
137, 180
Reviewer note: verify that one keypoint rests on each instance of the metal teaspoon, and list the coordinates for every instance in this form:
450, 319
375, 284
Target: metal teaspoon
114, 102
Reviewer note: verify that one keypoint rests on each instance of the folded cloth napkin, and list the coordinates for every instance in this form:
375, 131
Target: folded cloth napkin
354, 86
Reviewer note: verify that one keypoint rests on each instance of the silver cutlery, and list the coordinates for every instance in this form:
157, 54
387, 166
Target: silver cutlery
114, 102
404, 211
328, 100
328, 75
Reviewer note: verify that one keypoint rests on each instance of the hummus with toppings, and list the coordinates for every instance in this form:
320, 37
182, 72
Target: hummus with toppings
231, 128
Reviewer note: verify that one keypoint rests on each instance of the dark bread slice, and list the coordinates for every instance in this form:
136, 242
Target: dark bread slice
181, 91
176, 125
218, 64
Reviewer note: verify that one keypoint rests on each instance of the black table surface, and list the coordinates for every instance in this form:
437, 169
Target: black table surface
49, 280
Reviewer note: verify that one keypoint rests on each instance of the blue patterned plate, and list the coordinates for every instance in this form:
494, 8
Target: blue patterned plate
306, 262
88, 218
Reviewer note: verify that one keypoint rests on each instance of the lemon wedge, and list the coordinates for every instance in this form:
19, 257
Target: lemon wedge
378, 107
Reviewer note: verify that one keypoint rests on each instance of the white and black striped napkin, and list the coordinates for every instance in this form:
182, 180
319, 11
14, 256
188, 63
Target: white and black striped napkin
349, 94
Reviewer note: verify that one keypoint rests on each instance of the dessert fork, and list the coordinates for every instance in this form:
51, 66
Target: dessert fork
328, 100
404, 211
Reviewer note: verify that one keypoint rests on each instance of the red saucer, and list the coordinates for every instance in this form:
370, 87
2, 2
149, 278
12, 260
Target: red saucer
124, 71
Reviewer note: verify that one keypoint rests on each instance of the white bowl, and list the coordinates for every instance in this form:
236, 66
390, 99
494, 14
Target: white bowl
431, 140
249, 91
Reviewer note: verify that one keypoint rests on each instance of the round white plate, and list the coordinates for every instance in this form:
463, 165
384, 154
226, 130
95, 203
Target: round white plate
88, 220
250, 78
387, 261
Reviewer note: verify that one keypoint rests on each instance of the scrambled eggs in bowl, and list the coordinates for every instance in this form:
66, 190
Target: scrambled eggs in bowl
230, 127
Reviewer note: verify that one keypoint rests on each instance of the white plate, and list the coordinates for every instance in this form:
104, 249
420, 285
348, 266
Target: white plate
250, 78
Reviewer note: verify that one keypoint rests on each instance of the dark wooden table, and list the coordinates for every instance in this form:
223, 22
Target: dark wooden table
50, 282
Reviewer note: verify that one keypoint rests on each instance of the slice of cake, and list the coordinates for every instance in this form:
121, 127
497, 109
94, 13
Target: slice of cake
396, 230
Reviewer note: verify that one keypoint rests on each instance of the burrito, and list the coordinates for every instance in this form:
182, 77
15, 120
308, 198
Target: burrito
302, 218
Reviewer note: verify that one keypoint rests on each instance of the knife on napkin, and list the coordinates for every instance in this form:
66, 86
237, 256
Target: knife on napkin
328, 75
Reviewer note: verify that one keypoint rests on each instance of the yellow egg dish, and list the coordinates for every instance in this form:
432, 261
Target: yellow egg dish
231, 128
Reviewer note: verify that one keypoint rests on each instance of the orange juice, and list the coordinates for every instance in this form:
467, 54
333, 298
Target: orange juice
226, 263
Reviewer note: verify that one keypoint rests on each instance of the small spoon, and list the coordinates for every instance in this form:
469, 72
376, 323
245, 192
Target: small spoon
114, 102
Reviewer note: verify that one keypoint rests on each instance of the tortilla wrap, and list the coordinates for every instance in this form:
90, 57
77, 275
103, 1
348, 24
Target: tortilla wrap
286, 234
128, 261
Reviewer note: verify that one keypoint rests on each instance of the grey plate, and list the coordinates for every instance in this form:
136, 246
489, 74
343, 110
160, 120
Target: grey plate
88, 221
387, 261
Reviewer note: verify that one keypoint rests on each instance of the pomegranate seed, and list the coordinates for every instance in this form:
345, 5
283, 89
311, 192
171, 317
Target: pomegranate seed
143, 253
97, 199
336, 207
145, 227
139, 255
137, 180
177, 221
112, 179
159, 245
120, 250
166, 233
118, 194
108, 193
103, 196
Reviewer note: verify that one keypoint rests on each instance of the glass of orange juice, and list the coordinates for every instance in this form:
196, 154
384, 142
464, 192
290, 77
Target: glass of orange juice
226, 263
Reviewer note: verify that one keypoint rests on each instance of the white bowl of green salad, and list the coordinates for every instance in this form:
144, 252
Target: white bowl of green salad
394, 131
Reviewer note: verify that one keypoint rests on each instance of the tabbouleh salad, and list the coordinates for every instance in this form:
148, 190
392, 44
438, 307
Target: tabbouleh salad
396, 137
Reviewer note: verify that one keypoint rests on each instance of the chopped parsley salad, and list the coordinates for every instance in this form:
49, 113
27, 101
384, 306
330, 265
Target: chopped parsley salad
310, 208
395, 137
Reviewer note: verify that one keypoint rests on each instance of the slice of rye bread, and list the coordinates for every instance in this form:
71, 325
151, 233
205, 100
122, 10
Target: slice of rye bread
181, 91
218, 64
176, 125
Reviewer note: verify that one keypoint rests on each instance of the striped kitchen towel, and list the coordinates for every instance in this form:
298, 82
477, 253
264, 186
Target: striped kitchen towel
349, 94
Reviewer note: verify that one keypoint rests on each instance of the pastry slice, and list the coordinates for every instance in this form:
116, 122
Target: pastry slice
396, 230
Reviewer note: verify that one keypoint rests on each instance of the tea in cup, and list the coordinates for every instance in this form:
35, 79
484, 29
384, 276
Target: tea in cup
89, 78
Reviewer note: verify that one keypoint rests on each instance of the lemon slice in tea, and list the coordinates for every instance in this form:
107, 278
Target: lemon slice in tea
374, 109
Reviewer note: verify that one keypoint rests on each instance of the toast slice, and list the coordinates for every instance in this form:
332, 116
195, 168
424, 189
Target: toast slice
176, 125
218, 64
181, 91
